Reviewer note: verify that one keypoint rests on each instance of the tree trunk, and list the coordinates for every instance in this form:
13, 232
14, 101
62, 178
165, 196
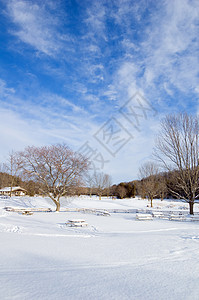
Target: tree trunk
57, 206
11, 189
151, 202
191, 207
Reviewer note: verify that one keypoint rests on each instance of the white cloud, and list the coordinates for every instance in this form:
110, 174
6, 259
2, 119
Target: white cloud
129, 45
4, 90
164, 59
126, 11
111, 93
18, 131
96, 16
171, 45
35, 26
53, 119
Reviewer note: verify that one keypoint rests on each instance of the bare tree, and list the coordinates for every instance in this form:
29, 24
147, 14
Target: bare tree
107, 184
90, 183
177, 150
3, 176
13, 166
148, 174
100, 181
57, 168
162, 187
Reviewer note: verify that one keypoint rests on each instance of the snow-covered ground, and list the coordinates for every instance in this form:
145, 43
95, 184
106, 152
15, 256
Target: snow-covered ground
114, 257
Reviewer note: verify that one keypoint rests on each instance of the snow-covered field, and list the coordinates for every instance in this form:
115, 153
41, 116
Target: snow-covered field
114, 257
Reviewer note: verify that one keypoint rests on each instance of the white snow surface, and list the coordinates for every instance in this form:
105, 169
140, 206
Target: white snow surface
114, 257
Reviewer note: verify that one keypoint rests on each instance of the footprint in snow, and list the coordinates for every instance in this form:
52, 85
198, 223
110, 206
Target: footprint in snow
10, 228
191, 237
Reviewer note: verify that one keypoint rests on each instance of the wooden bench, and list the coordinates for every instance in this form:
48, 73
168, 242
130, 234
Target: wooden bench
76, 223
32, 209
144, 217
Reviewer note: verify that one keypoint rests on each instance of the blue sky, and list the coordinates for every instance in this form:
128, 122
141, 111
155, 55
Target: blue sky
67, 67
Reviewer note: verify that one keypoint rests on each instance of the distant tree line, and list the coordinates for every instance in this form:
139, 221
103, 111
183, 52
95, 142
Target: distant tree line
30, 186
161, 184
124, 190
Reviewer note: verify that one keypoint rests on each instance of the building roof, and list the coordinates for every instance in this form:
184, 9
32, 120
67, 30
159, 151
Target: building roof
14, 189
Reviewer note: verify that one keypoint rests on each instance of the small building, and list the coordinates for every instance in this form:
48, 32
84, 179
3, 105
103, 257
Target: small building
16, 191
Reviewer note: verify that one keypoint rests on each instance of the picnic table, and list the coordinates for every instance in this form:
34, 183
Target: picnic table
177, 217
159, 214
194, 218
143, 217
77, 223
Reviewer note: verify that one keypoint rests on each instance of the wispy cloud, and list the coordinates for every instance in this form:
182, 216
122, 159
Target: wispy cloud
36, 26
161, 59
96, 20
4, 90
171, 47
53, 118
